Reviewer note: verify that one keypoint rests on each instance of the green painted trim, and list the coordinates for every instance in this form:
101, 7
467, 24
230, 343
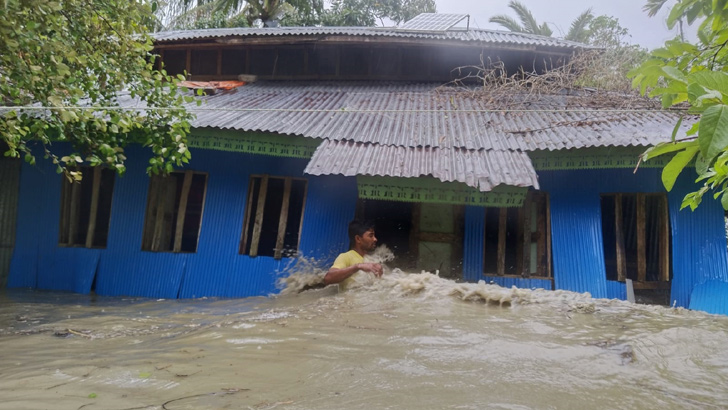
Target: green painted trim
431, 190
594, 158
260, 143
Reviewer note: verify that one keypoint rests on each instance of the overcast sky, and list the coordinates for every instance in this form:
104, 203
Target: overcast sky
649, 32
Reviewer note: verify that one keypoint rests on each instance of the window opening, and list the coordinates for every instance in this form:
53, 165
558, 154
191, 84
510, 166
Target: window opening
517, 240
175, 61
204, 62
86, 208
273, 216
636, 237
174, 212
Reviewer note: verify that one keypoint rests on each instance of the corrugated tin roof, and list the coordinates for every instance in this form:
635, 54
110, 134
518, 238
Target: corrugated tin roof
481, 169
479, 36
424, 115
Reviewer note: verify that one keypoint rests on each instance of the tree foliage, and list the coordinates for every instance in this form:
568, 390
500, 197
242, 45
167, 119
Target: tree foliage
693, 77
63, 67
228, 13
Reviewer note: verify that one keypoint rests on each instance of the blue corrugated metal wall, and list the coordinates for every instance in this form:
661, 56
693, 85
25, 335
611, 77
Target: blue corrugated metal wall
698, 238
37, 260
216, 269
698, 242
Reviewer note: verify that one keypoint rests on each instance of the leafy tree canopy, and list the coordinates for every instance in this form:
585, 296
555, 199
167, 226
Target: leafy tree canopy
63, 66
237, 13
693, 77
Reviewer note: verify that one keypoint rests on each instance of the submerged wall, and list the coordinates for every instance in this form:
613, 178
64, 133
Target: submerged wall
698, 238
216, 269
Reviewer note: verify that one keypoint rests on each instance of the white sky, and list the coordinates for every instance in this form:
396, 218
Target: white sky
649, 32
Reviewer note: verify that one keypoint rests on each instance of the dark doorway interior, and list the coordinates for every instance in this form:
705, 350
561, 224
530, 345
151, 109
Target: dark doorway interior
393, 222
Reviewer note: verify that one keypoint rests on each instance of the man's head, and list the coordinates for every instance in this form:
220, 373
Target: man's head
361, 236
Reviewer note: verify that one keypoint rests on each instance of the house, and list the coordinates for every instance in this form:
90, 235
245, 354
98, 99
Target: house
345, 122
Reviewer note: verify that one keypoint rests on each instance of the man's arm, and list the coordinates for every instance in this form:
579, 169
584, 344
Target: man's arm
335, 275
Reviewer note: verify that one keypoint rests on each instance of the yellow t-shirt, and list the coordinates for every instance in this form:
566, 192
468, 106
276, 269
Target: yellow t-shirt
345, 260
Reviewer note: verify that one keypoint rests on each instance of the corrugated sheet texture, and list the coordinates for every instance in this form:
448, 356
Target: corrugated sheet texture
576, 225
477, 36
698, 238
473, 243
216, 269
711, 297
698, 242
482, 169
425, 115
9, 180
38, 261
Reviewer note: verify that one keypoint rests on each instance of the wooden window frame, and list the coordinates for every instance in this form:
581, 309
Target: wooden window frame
259, 212
664, 241
525, 238
153, 239
71, 210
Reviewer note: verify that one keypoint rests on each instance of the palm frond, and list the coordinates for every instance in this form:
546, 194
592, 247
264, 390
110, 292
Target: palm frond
507, 22
578, 30
652, 7
528, 22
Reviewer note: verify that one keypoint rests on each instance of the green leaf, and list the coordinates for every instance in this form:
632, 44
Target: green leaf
666, 148
92, 396
712, 80
701, 164
713, 131
676, 129
675, 74
144, 375
673, 168
724, 200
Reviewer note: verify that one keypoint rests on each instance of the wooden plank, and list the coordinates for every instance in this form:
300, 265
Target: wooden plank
75, 211
664, 239
641, 239
93, 214
162, 227
182, 211
188, 62
152, 204
258, 225
619, 233
219, 62
651, 285
202, 209
303, 209
248, 209
528, 204
502, 228
283, 220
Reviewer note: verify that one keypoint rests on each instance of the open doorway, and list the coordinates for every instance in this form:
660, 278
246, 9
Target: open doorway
423, 236
636, 238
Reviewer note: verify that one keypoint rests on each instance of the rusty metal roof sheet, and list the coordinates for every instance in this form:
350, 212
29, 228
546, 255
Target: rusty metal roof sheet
476, 36
481, 169
424, 115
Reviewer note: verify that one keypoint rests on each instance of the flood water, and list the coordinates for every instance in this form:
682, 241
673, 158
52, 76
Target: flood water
403, 342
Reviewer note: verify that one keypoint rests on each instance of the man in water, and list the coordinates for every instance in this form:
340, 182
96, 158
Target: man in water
361, 242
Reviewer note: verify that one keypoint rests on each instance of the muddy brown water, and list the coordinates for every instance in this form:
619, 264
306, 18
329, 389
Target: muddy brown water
403, 342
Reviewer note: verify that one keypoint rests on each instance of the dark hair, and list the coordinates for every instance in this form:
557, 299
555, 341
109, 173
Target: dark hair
357, 227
